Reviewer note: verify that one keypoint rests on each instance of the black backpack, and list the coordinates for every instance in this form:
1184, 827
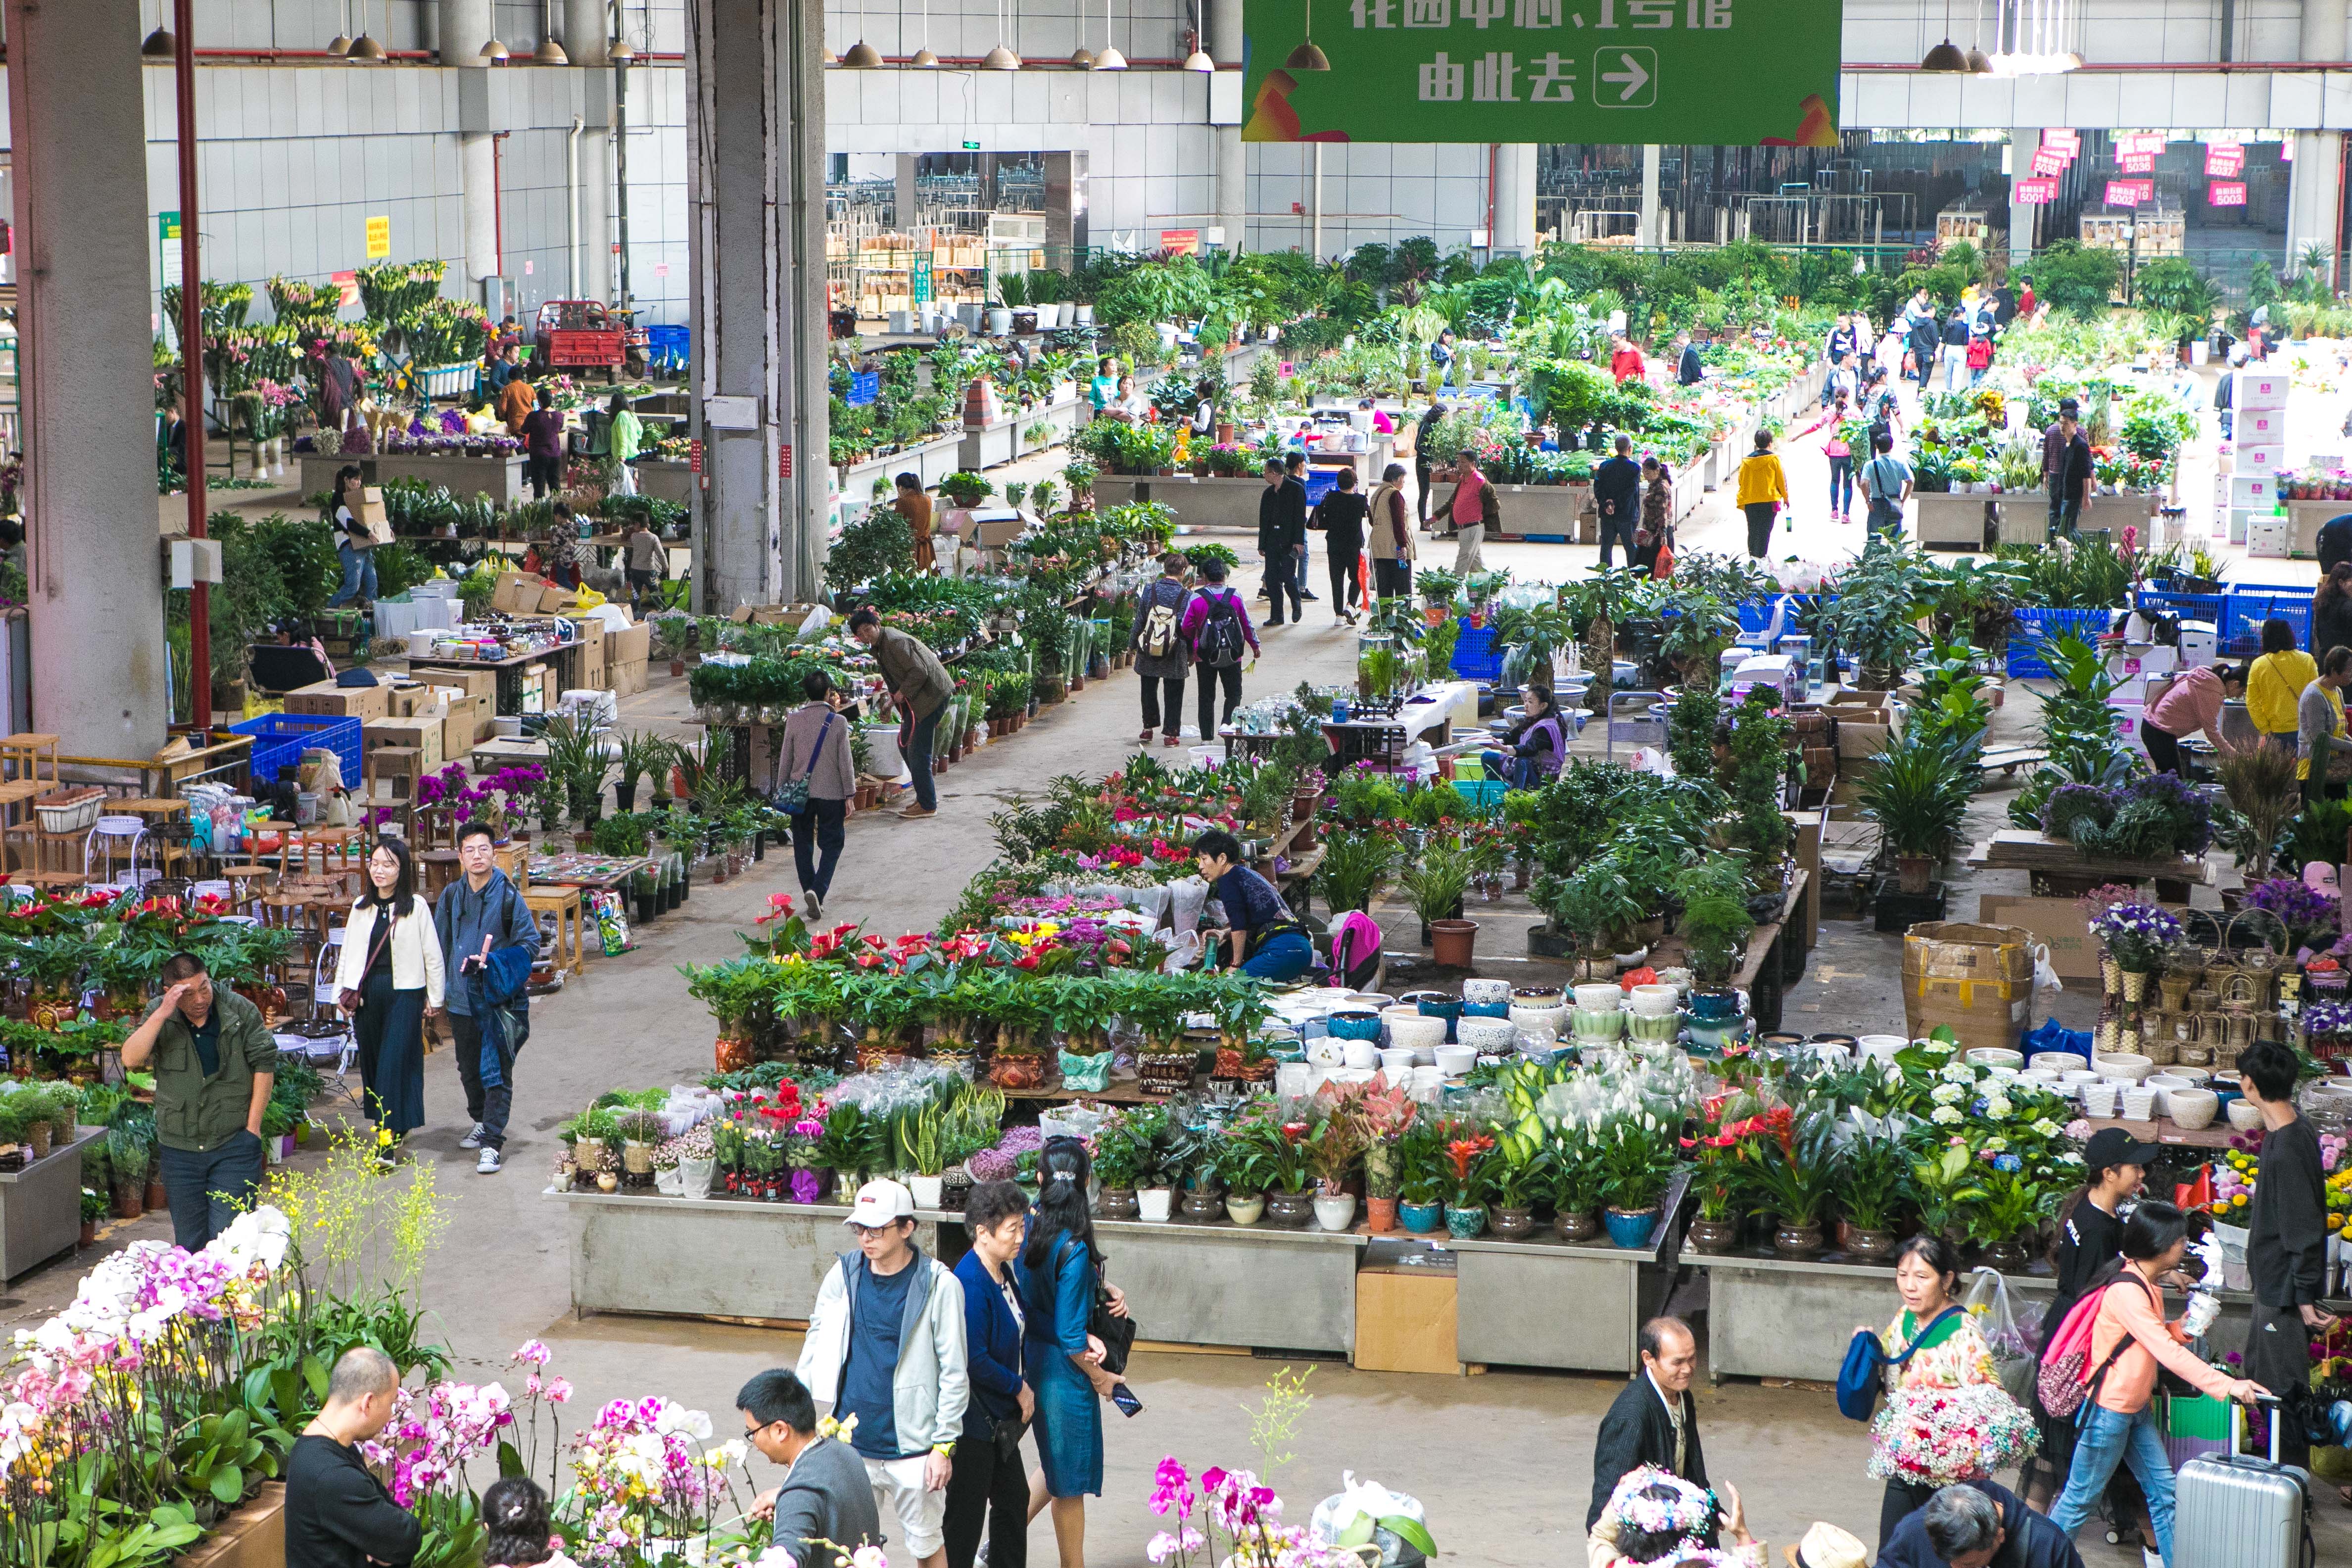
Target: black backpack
1221, 633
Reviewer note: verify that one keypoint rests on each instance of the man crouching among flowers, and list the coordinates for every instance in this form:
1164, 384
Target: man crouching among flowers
1656, 1520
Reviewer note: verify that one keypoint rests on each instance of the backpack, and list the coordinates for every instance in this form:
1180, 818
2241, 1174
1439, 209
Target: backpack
1859, 1383
2060, 1378
1157, 637
1221, 634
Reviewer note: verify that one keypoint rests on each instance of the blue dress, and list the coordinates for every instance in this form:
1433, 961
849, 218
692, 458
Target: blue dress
1059, 1299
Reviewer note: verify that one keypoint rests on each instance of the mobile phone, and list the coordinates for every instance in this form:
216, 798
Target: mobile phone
1124, 1397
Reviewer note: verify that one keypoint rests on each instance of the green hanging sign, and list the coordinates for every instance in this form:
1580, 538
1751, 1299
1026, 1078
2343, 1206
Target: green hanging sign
1733, 73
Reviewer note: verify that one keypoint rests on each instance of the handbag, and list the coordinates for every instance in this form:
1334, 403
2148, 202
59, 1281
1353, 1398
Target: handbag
1118, 1334
792, 796
1858, 1383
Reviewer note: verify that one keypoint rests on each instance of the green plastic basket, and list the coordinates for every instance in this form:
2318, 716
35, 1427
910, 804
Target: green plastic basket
2197, 1415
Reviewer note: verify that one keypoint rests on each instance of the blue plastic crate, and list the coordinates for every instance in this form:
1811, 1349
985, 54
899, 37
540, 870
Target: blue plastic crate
1484, 795
1755, 614
1476, 655
2187, 606
2025, 661
2242, 628
668, 346
280, 739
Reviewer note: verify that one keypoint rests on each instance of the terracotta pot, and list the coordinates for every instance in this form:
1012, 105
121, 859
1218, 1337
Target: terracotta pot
129, 1200
1117, 1203
1453, 943
1914, 873
89, 1233
1582, 1226
1715, 1235
1291, 1210
1510, 1224
733, 1053
1797, 1240
1869, 1246
1380, 1215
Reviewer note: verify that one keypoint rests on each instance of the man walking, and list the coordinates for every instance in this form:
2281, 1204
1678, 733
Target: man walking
480, 915
214, 1063
920, 682
648, 561
2066, 469
825, 1496
1472, 507
885, 1350
338, 1515
1617, 493
1423, 459
1886, 486
1654, 1421
1282, 540
2286, 1240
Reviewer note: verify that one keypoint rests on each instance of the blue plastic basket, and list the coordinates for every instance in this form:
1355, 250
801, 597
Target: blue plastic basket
280, 739
2242, 628
2025, 661
2187, 606
1476, 655
668, 346
1484, 795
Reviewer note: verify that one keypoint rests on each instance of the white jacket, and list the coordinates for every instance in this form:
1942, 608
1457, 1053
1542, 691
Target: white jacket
415, 951
928, 1387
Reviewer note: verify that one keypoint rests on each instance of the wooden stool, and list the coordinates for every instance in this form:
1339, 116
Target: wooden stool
563, 903
248, 884
439, 869
18, 821
29, 756
166, 816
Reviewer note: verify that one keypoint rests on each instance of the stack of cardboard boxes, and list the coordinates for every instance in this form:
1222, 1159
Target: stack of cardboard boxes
2246, 505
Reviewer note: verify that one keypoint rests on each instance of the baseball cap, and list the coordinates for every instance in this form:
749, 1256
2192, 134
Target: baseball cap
881, 1201
2109, 1146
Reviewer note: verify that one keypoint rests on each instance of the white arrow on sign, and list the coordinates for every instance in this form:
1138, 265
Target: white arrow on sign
1633, 76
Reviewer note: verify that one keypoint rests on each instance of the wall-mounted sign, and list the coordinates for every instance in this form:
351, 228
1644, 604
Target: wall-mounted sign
2130, 193
349, 284
167, 225
2035, 192
378, 238
1181, 241
2225, 193
2225, 161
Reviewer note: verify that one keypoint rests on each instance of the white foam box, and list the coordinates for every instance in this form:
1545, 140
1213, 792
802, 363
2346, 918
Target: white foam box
2259, 389
2241, 518
2268, 536
2201, 644
2256, 492
2265, 457
2262, 427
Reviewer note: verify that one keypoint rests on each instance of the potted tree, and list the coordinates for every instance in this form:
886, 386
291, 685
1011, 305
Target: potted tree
1596, 909
1917, 791
1714, 926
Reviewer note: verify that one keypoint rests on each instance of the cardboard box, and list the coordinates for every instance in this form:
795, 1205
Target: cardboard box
634, 645
2259, 427
1405, 1321
2253, 492
421, 734
517, 593
329, 700
1977, 981
458, 734
2267, 536
1859, 742
2056, 923
473, 683
592, 661
2261, 457
2259, 389
626, 678
409, 698
371, 513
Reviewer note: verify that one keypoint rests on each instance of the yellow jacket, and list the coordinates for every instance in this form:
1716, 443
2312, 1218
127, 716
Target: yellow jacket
1760, 479
2273, 687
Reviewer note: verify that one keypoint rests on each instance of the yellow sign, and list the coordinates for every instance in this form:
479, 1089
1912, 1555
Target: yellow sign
378, 238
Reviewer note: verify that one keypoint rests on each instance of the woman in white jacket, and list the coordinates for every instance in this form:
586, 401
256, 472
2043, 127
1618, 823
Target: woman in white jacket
389, 980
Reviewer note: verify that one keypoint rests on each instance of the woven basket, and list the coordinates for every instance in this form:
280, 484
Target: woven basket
70, 811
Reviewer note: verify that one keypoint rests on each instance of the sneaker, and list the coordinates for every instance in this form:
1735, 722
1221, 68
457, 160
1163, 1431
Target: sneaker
811, 905
489, 1163
472, 1140
916, 811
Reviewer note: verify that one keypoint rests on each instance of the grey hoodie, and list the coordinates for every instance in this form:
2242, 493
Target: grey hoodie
827, 1497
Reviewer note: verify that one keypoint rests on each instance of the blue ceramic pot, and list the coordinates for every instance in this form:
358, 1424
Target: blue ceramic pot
1421, 1218
1354, 1025
1463, 1224
1628, 1230
1713, 1007
1450, 1011
1486, 1010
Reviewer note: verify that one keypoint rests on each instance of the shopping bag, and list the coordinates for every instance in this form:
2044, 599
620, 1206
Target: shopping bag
2011, 1339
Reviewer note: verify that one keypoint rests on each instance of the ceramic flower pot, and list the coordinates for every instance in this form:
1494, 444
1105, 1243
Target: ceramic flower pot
1246, 1210
1117, 1203
1632, 1228
1510, 1224
1291, 1210
927, 1189
1336, 1214
1576, 1225
1380, 1215
1463, 1222
733, 1054
1797, 1240
1201, 1207
1420, 1218
2007, 1256
1156, 1204
1715, 1235
1869, 1246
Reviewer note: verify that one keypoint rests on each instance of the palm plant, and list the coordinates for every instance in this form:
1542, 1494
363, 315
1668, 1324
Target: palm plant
1435, 885
1353, 865
1917, 791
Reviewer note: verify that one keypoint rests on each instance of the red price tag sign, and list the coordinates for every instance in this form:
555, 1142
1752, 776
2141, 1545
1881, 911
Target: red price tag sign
2225, 161
694, 457
784, 461
2037, 192
2068, 142
2049, 161
2225, 193
2136, 162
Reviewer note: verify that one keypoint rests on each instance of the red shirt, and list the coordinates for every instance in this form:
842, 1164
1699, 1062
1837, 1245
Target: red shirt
1626, 364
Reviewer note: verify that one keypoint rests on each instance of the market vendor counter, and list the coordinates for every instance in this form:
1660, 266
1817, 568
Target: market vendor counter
40, 1206
1534, 1303
1770, 1316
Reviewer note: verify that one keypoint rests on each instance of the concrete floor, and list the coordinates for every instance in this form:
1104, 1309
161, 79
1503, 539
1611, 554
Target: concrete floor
1502, 1461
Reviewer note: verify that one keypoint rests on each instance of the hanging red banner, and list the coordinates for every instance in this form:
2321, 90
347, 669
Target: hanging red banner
2130, 193
2035, 192
2136, 162
2225, 193
2225, 160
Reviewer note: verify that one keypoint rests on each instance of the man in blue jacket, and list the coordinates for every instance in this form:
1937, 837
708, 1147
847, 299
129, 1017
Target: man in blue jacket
1978, 1524
481, 914
990, 1482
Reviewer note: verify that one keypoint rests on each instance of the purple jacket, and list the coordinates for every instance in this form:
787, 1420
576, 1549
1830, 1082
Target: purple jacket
1196, 616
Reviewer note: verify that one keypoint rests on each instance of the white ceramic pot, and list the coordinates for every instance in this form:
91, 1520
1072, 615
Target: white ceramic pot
1086, 316
1603, 996
2197, 1076
1485, 992
2070, 1082
2164, 1083
2124, 1064
1396, 1060
1360, 1053
2193, 1109
2099, 1098
1456, 1061
1881, 1048
1245, 1211
1996, 1056
1829, 1052
1000, 322
928, 1190
2058, 1061
1336, 1214
1529, 1018
1418, 1034
1049, 317
2245, 1115
1487, 1034
1328, 1051
1655, 999
2138, 1104
1155, 1203
2041, 1077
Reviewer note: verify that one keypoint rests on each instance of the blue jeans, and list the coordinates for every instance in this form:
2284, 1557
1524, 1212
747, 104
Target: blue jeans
202, 1189
1519, 772
359, 575
2108, 1438
1285, 957
1841, 484
919, 737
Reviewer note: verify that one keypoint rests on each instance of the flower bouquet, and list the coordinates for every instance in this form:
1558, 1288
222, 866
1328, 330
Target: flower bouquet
1934, 1437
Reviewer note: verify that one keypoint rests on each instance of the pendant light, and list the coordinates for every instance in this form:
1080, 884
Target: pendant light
161, 43
862, 55
1306, 57
1110, 59
550, 52
1198, 60
1000, 58
923, 57
1979, 64
1945, 57
364, 49
495, 52
340, 44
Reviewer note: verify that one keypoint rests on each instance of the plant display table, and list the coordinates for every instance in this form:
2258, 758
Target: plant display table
500, 478
1508, 1297
40, 1208
566, 657
2070, 870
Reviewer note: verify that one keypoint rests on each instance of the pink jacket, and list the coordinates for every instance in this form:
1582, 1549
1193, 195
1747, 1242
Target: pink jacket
2130, 1306
2192, 702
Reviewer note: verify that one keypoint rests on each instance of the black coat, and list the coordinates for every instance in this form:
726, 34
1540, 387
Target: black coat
2033, 1542
1637, 1432
1281, 516
2334, 543
2331, 626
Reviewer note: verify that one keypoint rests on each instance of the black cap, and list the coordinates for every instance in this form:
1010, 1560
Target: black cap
2114, 1146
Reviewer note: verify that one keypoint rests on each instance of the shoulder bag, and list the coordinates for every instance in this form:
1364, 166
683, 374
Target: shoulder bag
792, 796
1118, 1334
1859, 1383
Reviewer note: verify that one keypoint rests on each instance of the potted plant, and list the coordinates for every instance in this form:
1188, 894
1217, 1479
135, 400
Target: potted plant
1421, 1178
641, 753
850, 1145
1791, 1171
1437, 885
1332, 1150
697, 1156
1714, 927
1115, 1152
1287, 1201
1162, 1147
1717, 1177
1520, 1168
1245, 1163
1467, 1151
1637, 1156
1872, 1176
93, 1211
1387, 1114
1575, 1189
1204, 1193
926, 1144
1917, 791
1597, 909
128, 1146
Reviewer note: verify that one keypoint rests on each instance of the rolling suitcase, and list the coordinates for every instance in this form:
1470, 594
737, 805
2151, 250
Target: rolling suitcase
2231, 1511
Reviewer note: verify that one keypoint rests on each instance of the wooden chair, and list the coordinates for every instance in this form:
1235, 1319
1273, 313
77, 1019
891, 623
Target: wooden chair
563, 903
28, 767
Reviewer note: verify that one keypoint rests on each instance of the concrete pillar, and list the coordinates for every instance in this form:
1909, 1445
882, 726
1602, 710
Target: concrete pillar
903, 179
1225, 47
587, 31
2314, 196
756, 185
465, 27
1650, 216
77, 123
598, 275
1065, 201
1514, 198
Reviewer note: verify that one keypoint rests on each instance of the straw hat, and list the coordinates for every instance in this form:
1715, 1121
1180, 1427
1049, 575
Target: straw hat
1826, 1546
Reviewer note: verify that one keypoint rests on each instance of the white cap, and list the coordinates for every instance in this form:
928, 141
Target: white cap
881, 1201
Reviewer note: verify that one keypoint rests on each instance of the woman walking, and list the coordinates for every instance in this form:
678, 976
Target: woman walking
2274, 684
1941, 1345
1339, 519
357, 546
388, 980
989, 1486
1390, 524
2319, 725
2128, 1339
1062, 1270
1763, 491
1216, 627
1840, 451
1473, 510
542, 447
1163, 658
1656, 530
817, 752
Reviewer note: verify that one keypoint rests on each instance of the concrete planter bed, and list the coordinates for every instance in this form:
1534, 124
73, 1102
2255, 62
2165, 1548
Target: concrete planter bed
986, 446
40, 1208
934, 459
1948, 519
500, 478
665, 479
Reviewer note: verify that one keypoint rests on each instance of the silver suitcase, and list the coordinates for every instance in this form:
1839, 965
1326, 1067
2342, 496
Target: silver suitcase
2232, 1511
